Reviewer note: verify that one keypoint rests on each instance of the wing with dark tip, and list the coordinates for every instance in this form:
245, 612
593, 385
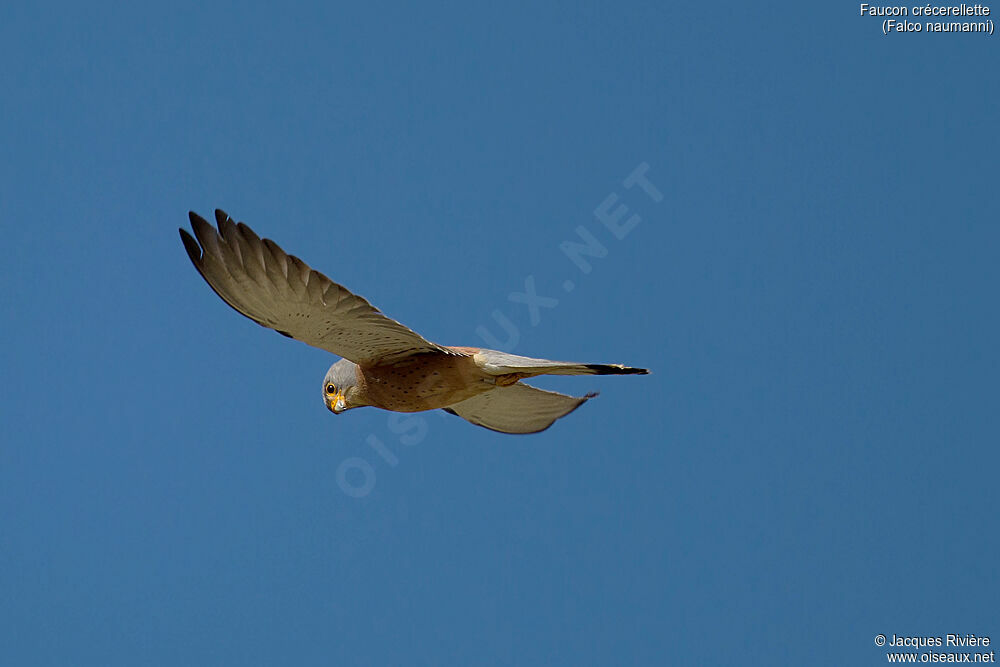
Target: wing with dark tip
518, 408
281, 292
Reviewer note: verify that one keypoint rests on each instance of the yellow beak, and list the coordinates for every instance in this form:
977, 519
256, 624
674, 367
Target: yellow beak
338, 403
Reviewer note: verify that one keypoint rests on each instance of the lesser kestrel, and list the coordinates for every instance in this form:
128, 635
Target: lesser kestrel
384, 364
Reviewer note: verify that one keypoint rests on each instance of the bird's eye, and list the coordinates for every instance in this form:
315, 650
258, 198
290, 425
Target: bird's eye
330, 389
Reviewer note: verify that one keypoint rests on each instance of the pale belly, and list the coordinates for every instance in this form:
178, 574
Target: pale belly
425, 382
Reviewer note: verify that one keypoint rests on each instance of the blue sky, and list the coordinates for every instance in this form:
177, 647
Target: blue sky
812, 462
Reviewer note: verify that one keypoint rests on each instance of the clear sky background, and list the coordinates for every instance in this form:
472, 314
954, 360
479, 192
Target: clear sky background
812, 462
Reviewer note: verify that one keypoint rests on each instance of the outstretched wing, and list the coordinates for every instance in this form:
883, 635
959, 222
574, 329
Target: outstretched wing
280, 291
518, 408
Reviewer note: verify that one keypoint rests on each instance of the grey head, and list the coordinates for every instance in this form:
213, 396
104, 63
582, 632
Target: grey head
340, 387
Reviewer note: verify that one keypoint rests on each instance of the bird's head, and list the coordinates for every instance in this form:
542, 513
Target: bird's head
340, 387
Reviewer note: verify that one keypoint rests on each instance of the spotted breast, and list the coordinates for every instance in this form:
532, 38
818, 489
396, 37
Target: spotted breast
424, 382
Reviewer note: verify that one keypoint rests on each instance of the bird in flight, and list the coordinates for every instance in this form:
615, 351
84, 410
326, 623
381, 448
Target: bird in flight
384, 364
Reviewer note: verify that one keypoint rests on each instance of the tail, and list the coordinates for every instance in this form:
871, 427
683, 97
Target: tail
597, 369
501, 363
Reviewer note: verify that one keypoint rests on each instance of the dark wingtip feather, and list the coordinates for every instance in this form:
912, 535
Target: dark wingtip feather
192, 247
202, 230
220, 217
195, 218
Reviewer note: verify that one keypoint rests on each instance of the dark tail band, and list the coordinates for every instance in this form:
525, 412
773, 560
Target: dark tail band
616, 369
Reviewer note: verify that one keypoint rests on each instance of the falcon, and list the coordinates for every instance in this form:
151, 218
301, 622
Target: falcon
383, 363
